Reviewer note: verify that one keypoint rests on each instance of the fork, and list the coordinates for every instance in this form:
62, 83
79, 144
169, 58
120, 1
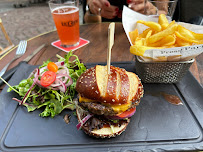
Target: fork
19, 52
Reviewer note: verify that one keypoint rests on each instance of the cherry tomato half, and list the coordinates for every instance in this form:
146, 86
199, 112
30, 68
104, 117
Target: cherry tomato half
127, 113
52, 67
48, 78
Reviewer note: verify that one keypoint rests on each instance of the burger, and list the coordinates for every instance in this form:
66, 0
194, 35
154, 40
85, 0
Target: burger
106, 101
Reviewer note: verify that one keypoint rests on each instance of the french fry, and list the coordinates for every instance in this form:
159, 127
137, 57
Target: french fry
133, 35
144, 33
153, 25
200, 42
184, 38
171, 24
189, 34
198, 36
160, 35
170, 46
185, 33
147, 36
181, 42
140, 41
163, 21
139, 50
166, 41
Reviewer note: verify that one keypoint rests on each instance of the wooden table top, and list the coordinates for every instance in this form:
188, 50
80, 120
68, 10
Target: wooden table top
95, 51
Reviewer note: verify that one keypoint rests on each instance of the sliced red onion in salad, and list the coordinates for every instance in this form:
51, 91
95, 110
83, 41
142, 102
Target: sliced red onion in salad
21, 101
36, 72
59, 64
63, 79
62, 86
66, 76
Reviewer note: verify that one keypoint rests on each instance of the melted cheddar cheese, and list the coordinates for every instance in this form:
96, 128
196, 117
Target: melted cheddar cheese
116, 108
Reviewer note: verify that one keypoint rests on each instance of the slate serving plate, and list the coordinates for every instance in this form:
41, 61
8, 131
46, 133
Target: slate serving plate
156, 126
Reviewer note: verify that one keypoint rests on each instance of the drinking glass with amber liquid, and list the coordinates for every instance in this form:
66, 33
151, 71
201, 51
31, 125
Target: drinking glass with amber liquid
65, 14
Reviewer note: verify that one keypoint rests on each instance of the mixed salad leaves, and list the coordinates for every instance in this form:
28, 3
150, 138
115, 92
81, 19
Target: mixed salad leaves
51, 86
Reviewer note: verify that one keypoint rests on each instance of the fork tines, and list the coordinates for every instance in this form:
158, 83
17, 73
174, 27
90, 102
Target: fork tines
21, 47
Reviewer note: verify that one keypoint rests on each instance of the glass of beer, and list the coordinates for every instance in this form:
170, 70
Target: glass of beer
155, 8
65, 14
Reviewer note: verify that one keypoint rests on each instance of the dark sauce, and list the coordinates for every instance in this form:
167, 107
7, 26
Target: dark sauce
173, 99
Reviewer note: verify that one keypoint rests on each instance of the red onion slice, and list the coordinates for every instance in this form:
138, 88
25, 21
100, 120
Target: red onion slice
35, 80
63, 86
69, 83
42, 70
63, 78
60, 75
64, 70
65, 75
56, 83
79, 125
24, 103
117, 117
59, 63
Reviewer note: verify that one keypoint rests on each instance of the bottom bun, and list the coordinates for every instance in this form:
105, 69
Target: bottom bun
106, 132
98, 126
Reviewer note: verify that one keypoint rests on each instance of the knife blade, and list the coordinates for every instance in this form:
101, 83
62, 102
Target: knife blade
10, 72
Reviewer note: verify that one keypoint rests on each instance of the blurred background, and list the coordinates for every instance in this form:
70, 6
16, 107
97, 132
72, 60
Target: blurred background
24, 19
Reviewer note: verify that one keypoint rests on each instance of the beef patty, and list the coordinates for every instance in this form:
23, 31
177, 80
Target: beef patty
99, 109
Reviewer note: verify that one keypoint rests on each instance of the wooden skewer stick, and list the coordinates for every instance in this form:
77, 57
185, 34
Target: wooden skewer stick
111, 31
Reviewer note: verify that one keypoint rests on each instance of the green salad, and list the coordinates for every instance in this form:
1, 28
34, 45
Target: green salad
51, 86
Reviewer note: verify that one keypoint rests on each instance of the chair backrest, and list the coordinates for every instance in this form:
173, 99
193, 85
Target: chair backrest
10, 44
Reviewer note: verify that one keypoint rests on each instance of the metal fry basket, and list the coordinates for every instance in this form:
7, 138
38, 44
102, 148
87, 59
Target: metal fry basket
161, 72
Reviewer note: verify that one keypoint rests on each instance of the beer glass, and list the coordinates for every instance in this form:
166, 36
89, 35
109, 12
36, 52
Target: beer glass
65, 14
166, 7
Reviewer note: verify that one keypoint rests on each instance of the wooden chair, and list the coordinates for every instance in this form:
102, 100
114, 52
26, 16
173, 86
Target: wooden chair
10, 44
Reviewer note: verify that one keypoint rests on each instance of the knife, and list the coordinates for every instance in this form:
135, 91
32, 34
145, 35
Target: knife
10, 72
